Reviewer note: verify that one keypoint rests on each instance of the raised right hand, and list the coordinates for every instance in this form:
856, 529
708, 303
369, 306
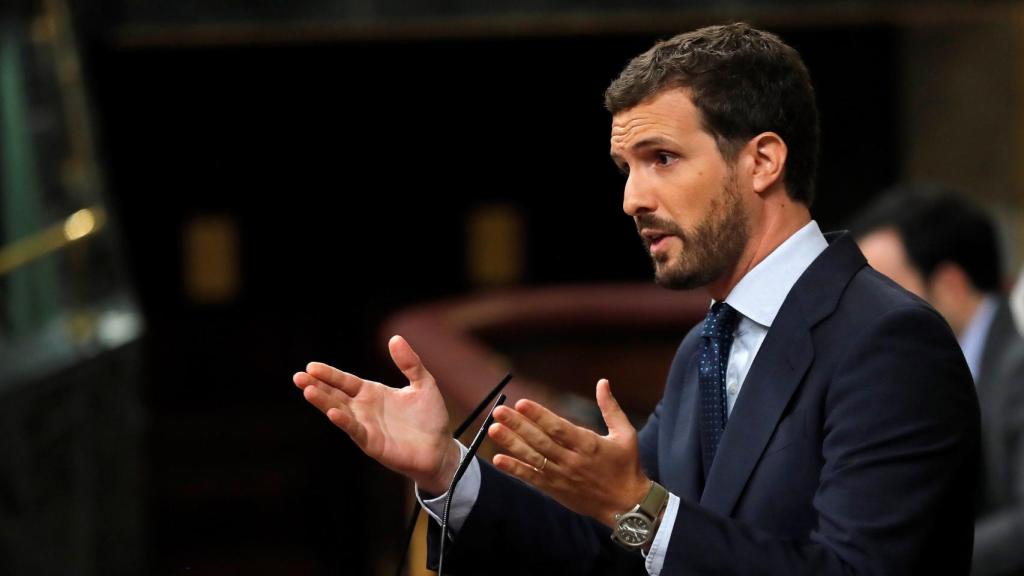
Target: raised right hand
405, 429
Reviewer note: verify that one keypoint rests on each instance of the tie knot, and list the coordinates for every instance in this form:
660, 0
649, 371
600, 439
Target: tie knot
720, 321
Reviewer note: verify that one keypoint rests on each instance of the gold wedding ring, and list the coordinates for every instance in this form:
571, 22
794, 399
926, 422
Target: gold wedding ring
543, 464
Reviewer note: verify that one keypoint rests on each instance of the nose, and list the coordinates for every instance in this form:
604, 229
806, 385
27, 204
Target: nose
637, 198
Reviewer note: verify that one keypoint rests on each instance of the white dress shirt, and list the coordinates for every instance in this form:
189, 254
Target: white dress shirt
972, 341
757, 297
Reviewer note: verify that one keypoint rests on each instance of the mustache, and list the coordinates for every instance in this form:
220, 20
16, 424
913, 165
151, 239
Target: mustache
645, 221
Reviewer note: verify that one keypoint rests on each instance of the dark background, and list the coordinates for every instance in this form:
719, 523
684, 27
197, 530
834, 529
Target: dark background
350, 167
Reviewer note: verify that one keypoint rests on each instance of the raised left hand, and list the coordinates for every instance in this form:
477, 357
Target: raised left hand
595, 475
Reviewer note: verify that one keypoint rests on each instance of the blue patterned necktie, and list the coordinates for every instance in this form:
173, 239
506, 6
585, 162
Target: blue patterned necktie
714, 358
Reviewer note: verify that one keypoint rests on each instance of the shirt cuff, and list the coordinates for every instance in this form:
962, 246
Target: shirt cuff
659, 548
466, 493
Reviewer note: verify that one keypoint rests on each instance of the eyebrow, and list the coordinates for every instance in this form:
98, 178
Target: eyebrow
649, 142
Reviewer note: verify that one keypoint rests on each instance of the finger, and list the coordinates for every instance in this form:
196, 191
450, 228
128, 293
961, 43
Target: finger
512, 443
304, 380
559, 429
344, 418
301, 380
524, 472
324, 396
347, 383
614, 417
531, 434
332, 403
409, 362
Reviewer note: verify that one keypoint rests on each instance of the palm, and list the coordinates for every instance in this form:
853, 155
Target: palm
404, 429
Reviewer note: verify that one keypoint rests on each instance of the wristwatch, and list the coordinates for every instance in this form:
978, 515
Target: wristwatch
635, 528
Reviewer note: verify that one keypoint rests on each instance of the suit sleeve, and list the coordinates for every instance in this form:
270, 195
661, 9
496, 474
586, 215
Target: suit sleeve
900, 441
515, 529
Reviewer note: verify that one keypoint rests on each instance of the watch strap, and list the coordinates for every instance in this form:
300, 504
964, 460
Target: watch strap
654, 502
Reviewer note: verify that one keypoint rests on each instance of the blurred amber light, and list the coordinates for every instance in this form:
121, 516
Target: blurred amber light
79, 225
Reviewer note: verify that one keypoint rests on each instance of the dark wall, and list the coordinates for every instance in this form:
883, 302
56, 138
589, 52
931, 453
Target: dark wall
350, 170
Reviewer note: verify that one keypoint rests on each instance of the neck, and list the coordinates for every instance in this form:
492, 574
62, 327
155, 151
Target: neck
961, 315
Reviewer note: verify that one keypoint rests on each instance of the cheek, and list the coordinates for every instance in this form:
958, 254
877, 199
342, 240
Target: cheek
690, 197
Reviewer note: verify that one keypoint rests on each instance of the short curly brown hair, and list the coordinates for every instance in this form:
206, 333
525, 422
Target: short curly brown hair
744, 81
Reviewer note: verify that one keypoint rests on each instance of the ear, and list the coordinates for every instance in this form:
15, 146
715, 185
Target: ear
768, 151
949, 289
949, 282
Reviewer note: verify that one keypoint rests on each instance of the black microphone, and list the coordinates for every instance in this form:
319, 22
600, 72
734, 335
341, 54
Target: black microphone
463, 465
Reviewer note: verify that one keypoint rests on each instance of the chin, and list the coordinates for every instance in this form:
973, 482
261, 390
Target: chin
672, 276
673, 280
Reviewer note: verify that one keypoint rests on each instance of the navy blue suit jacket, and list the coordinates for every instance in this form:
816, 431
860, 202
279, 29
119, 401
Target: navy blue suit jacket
852, 449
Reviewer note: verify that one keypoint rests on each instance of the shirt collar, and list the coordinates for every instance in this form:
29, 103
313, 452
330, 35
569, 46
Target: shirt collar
760, 293
972, 342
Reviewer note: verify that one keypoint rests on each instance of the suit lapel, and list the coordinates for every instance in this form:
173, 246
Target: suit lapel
777, 370
779, 367
1000, 333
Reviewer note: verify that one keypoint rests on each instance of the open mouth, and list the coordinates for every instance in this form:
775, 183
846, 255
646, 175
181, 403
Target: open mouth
654, 239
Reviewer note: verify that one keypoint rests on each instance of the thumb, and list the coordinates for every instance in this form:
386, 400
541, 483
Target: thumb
614, 417
406, 359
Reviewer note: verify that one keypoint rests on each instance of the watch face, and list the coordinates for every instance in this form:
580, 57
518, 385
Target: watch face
633, 529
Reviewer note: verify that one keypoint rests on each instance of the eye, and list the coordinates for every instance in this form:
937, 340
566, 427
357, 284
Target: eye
664, 158
623, 169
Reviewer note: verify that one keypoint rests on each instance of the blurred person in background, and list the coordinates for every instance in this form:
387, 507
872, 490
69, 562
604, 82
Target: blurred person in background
935, 243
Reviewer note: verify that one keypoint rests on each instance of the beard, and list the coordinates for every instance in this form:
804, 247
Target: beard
710, 250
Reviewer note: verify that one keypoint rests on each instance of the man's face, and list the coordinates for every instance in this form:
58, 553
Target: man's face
886, 253
683, 196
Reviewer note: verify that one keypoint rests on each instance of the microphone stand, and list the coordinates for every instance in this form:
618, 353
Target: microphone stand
458, 474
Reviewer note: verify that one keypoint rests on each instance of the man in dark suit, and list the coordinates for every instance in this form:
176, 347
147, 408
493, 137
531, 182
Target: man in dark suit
940, 246
821, 420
